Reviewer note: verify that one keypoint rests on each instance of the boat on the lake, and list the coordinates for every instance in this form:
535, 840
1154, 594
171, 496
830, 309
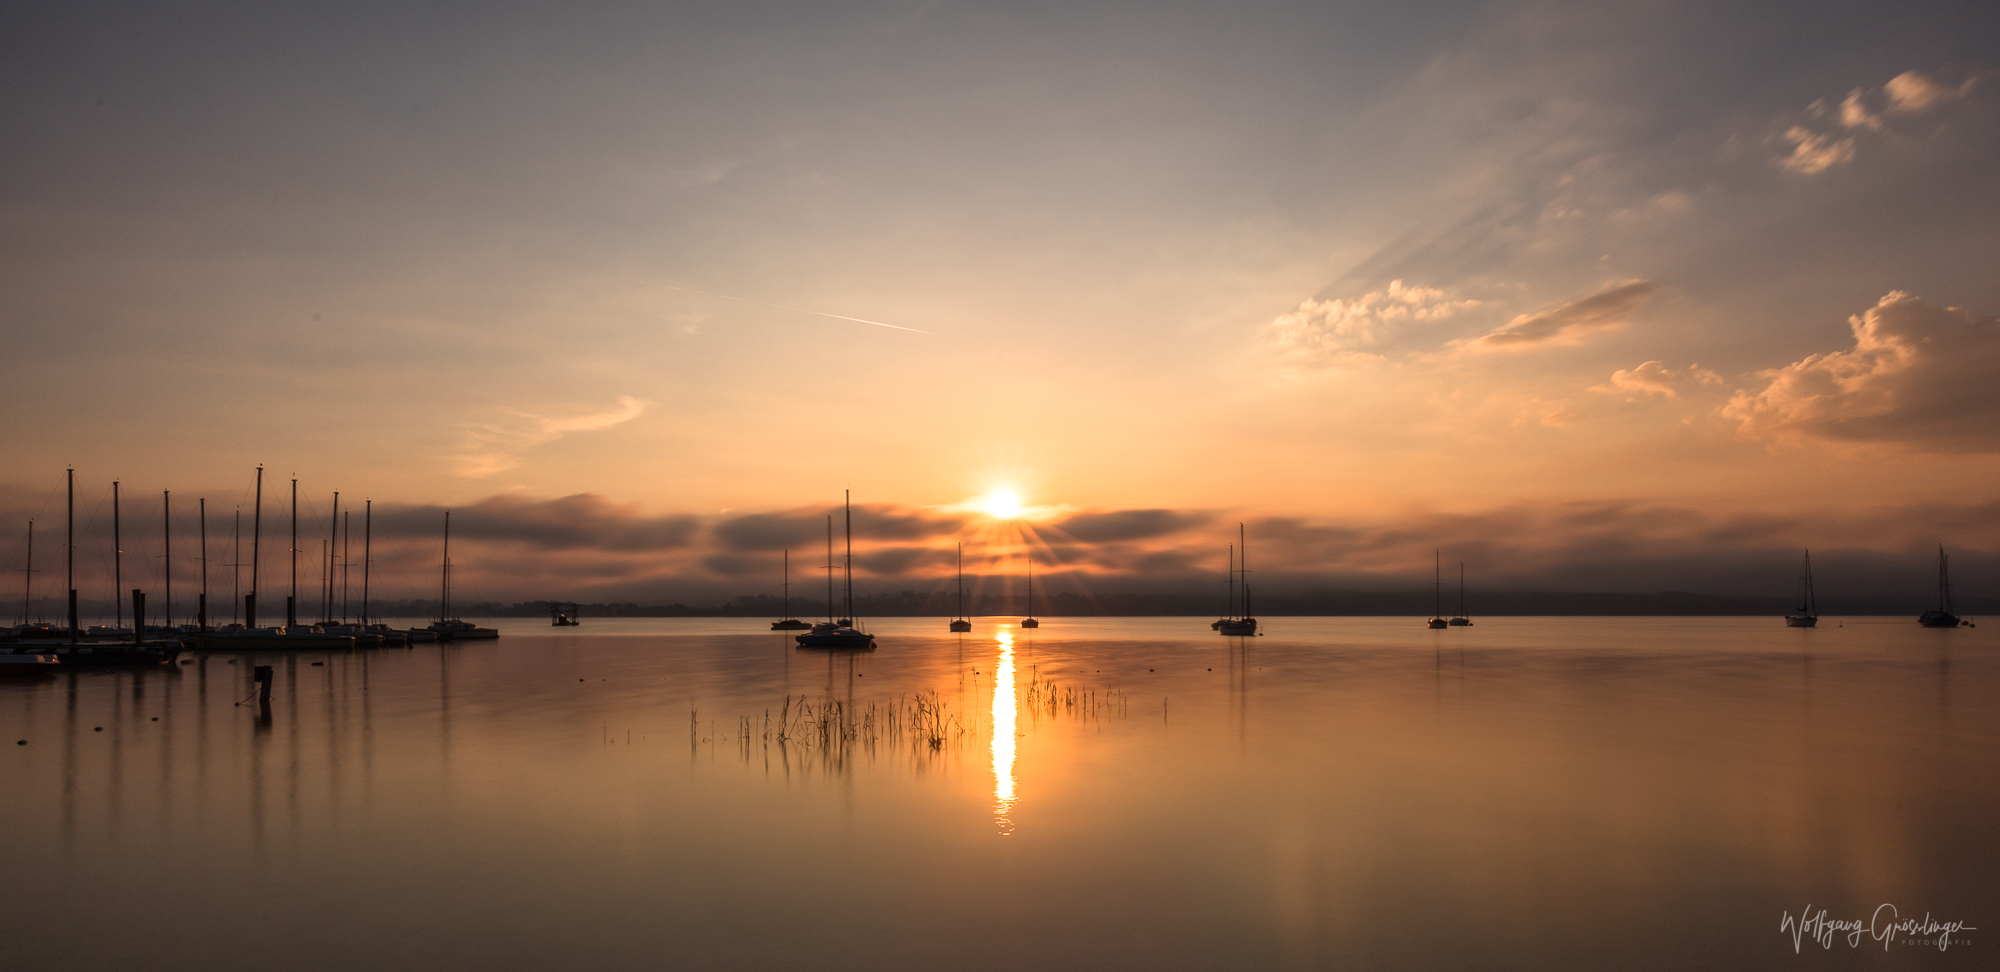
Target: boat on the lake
1462, 621
789, 623
959, 622
1942, 617
839, 632
1029, 621
1437, 590
296, 637
1245, 623
565, 614
446, 627
1807, 615
28, 664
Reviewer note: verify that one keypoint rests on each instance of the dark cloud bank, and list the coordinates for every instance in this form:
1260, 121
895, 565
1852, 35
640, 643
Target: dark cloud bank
1524, 558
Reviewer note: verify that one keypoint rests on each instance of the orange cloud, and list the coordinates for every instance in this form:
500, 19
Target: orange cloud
1608, 307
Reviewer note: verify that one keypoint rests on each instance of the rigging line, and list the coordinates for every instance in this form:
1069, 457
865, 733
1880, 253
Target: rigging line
800, 310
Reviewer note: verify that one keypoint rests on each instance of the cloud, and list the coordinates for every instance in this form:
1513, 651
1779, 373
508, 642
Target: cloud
581, 521
1334, 330
1918, 375
1608, 307
1908, 93
1654, 378
1117, 525
1911, 92
497, 446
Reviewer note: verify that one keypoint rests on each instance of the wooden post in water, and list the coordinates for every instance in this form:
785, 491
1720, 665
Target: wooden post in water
262, 674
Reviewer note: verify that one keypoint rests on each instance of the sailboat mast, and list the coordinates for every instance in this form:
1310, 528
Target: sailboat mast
1944, 581
346, 560
847, 511
201, 606
444, 576
1231, 612
28, 577
1461, 588
1243, 566
117, 561
367, 549
167, 534
829, 567
292, 599
256, 545
1437, 583
788, 583
961, 579
236, 568
69, 558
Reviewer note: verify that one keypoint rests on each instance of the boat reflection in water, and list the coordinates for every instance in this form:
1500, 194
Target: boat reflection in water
1003, 732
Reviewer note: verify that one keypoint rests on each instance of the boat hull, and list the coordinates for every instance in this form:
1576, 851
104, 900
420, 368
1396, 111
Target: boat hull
268, 641
1236, 628
1439, 623
1938, 619
961, 626
1801, 621
28, 666
853, 641
1031, 623
1461, 622
790, 625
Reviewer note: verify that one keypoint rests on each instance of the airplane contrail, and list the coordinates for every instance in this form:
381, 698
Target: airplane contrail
801, 310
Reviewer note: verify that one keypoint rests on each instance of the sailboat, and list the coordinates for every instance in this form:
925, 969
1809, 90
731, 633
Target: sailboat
1461, 621
1437, 590
789, 623
1029, 621
1807, 615
1942, 617
446, 627
1241, 624
959, 622
838, 633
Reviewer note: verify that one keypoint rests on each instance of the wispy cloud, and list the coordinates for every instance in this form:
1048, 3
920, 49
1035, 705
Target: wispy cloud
1608, 307
1864, 110
499, 446
1329, 331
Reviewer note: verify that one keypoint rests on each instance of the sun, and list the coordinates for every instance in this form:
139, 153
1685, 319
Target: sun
1002, 504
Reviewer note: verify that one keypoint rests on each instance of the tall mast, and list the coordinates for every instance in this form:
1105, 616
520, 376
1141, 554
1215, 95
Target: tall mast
346, 560
1461, 588
28, 577
444, 581
201, 606
829, 567
847, 511
167, 535
367, 533
236, 568
332, 553
1231, 612
292, 600
961, 578
788, 583
117, 562
1944, 581
1243, 566
69, 559
1437, 583
256, 538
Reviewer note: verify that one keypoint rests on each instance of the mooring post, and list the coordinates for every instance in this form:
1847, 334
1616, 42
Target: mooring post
262, 674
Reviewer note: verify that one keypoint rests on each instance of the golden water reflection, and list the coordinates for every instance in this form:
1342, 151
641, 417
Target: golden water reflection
1003, 732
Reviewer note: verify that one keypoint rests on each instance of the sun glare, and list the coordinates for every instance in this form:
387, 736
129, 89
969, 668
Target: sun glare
1002, 504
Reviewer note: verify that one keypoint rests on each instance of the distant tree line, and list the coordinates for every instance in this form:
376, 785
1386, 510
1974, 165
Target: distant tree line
909, 603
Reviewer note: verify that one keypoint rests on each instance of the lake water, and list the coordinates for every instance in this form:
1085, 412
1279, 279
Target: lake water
1530, 793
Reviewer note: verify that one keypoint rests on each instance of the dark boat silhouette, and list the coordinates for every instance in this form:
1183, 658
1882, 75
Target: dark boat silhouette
1461, 621
1807, 616
789, 623
959, 622
1239, 625
1437, 590
1943, 616
1029, 621
842, 632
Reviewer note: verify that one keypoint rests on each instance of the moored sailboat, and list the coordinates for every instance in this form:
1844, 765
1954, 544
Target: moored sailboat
1029, 621
959, 622
1807, 615
1461, 621
838, 632
446, 627
1240, 624
1437, 590
789, 623
1943, 616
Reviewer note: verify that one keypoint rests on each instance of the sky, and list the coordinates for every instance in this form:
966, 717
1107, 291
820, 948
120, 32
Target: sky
1624, 298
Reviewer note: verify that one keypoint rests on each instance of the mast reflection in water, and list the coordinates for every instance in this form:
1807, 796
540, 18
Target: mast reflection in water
1003, 733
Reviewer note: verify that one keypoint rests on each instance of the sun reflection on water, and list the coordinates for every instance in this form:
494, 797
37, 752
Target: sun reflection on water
1003, 732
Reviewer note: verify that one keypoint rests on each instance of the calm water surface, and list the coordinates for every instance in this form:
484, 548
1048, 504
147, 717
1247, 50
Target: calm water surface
1532, 793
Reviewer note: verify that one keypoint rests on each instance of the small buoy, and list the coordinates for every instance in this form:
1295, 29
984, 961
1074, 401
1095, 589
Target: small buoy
98, 729
1211, 669
22, 742
1149, 669
579, 680
318, 664
156, 718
